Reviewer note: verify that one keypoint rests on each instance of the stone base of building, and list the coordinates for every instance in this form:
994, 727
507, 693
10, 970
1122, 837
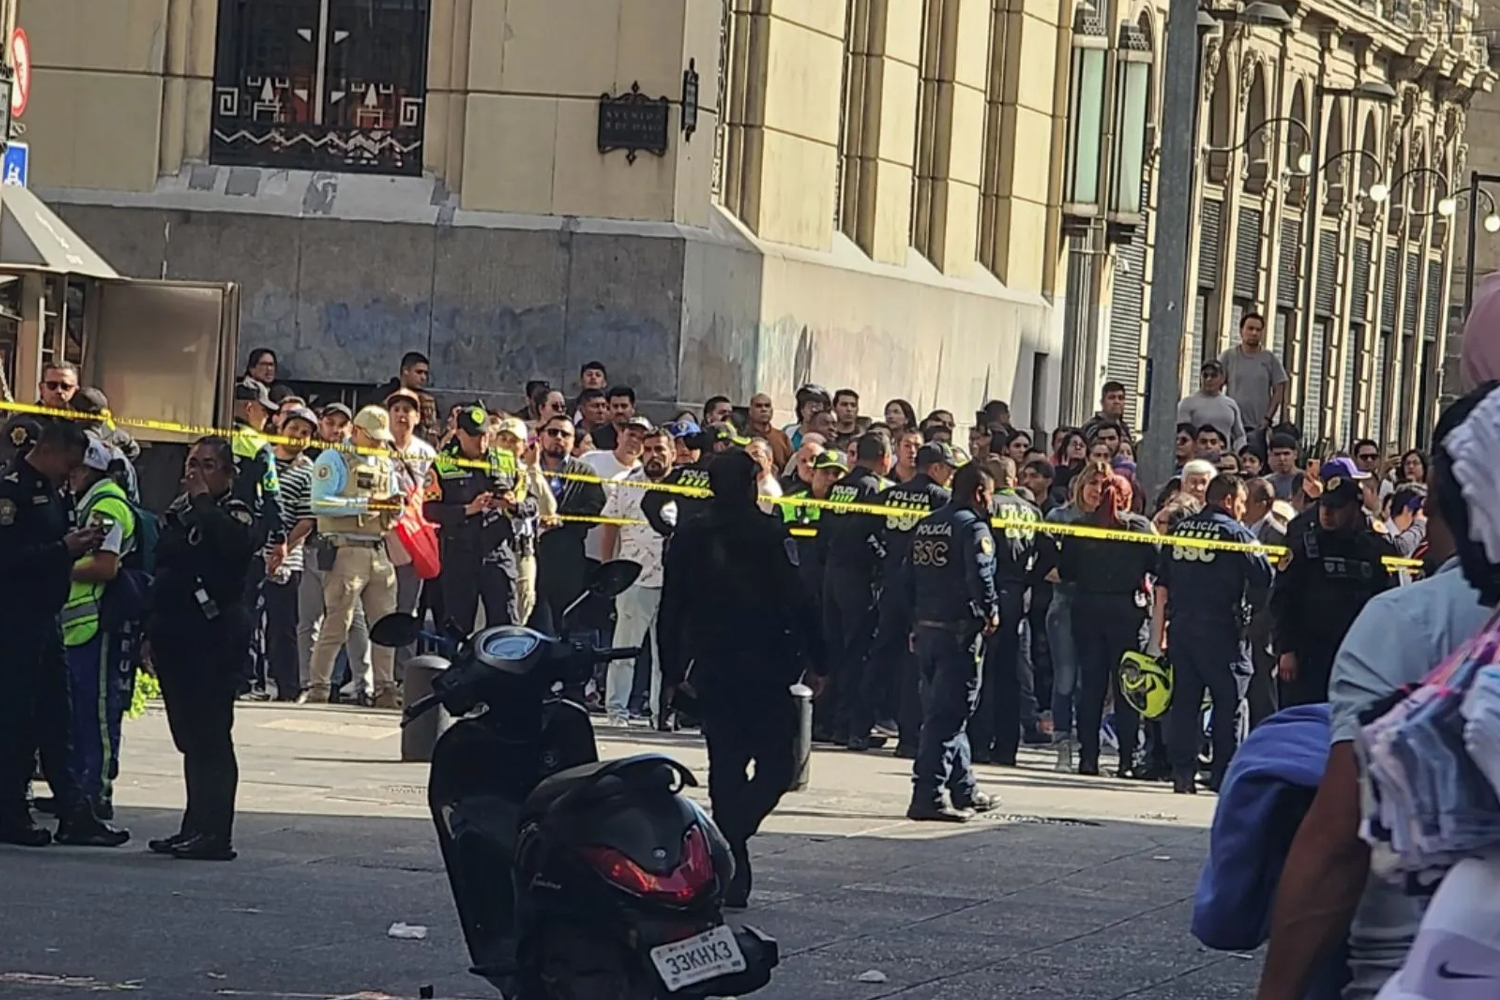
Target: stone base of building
341, 275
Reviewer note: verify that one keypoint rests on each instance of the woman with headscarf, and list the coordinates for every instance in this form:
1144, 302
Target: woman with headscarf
1108, 609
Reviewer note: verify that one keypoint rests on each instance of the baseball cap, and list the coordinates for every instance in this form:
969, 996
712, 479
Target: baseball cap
727, 432
301, 413
1341, 478
340, 409
472, 418
374, 421
831, 459
98, 455
683, 428
1212, 365
89, 400
515, 427
934, 452
404, 395
641, 423
251, 391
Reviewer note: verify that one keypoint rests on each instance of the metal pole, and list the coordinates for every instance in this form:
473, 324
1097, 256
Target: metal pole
1310, 209
1174, 207
1469, 252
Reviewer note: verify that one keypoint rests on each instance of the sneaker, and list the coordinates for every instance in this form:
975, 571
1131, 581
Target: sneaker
619, 719
388, 698
859, 744
313, 696
937, 812
888, 727
1064, 764
979, 802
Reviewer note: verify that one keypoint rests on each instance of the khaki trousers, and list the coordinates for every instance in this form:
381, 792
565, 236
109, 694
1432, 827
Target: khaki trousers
525, 587
362, 574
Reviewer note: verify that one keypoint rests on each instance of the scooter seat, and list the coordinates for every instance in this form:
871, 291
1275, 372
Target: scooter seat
587, 782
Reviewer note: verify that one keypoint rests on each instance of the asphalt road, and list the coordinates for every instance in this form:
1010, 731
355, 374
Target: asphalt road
1079, 890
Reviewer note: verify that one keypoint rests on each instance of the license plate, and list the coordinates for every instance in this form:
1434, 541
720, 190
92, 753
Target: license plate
696, 959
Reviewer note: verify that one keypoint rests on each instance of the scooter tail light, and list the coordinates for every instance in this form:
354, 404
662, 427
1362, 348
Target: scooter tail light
682, 885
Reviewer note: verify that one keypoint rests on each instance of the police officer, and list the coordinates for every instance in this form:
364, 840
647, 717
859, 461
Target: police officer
995, 733
37, 551
742, 664
477, 506
356, 499
949, 583
1203, 600
668, 509
1332, 568
198, 626
100, 667
893, 667
255, 482
852, 548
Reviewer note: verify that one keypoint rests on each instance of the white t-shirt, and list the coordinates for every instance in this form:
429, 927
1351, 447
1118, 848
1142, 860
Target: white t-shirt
605, 466
419, 456
638, 542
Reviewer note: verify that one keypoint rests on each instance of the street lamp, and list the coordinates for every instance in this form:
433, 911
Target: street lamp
1475, 179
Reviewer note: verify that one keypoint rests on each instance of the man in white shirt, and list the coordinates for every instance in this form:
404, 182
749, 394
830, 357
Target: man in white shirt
640, 543
616, 464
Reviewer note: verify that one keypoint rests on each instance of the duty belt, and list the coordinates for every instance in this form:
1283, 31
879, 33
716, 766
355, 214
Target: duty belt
350, 542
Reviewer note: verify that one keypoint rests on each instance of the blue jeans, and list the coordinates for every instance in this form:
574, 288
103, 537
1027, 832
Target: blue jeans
949, 667
1064, 660
101, 680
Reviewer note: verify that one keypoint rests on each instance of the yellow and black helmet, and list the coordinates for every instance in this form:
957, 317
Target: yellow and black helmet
1146, 684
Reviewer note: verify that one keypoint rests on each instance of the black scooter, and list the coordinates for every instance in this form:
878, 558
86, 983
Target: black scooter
574, 878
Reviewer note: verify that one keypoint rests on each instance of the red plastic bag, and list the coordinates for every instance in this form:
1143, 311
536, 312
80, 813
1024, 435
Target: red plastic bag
420, 538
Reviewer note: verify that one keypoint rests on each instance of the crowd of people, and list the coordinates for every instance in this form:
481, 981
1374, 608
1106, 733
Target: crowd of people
521, 505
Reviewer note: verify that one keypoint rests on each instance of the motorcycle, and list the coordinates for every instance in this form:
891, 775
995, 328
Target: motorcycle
574, 878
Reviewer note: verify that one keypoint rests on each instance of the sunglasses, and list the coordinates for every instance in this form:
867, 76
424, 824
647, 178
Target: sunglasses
1368, 457
58, 386
558, 432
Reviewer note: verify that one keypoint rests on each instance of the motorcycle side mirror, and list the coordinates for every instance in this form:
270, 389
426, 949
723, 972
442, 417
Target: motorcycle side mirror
614, 578
396, 630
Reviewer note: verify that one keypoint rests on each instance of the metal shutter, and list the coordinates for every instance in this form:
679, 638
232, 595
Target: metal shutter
1288, 263
1411, 315
1359, 296
1312, 403
1354, 345
1326, 293
1379, 386
1200, 325
1388, 290
1126, 312
1247, 255
1209, 229
1075, 318
1434, 316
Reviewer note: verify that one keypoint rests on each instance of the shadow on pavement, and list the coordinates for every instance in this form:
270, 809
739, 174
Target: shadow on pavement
992, 910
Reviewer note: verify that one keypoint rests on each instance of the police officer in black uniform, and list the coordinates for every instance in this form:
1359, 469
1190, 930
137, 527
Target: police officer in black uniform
700, 447
995, 733
740, 666
199, 621
1332, 569
893, 667
37, 550
476, 509
949, 583
853, 547
1204, 599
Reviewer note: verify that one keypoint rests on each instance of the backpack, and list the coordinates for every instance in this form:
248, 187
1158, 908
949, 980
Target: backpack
128, 595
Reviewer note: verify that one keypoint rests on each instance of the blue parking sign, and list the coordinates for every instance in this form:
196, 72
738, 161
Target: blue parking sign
17, 164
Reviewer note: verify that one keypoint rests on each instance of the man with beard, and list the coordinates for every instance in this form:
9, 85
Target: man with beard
55, 391
561, 566
639, 543
852, 548
686, 494
892, 664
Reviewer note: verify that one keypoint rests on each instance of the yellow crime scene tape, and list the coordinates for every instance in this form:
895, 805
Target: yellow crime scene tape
1045, 527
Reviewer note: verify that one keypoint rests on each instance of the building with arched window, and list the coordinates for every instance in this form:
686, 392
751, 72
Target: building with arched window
1331, 147
853, 192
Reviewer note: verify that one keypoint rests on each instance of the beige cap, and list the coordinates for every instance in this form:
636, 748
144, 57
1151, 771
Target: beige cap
515, 427
374, 421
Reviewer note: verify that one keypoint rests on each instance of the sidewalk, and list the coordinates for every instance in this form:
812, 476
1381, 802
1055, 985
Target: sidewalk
1077, 889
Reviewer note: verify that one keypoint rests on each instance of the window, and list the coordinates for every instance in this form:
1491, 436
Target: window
321, 85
